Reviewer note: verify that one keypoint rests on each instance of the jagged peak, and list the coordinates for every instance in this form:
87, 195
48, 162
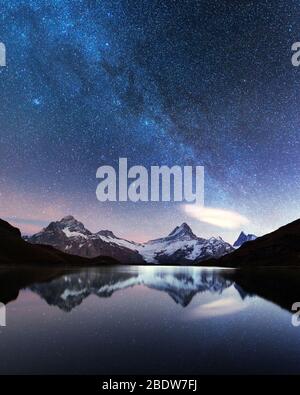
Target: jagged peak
243, 237
183, 229
67, 222
68, 218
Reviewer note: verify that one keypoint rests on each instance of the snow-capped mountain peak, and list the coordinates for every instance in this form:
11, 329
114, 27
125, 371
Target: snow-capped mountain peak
184, 247
71, 236
243, 237
66, 227
70, 227
68, 218
182, 231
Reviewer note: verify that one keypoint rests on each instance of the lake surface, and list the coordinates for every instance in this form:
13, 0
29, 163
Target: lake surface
148, 320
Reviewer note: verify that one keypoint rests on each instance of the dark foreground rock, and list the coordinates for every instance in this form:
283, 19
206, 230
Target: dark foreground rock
279, 248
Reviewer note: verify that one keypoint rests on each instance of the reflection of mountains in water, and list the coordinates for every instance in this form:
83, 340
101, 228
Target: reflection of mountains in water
67, 288
70, 290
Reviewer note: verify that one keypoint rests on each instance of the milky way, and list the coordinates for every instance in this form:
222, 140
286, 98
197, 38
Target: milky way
159, 82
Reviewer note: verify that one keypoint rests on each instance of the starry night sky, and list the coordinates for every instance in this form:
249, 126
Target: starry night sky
205, 82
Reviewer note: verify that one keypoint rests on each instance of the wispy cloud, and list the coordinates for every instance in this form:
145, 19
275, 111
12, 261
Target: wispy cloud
216, 216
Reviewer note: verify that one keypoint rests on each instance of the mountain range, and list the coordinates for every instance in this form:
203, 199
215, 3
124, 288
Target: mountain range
181, 246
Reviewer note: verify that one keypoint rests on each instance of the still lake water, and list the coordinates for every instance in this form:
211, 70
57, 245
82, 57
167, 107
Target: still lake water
148, 320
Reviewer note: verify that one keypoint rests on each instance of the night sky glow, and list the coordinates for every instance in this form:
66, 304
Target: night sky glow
186, 82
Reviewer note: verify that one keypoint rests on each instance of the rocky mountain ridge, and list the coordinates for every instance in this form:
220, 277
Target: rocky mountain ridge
181, 246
